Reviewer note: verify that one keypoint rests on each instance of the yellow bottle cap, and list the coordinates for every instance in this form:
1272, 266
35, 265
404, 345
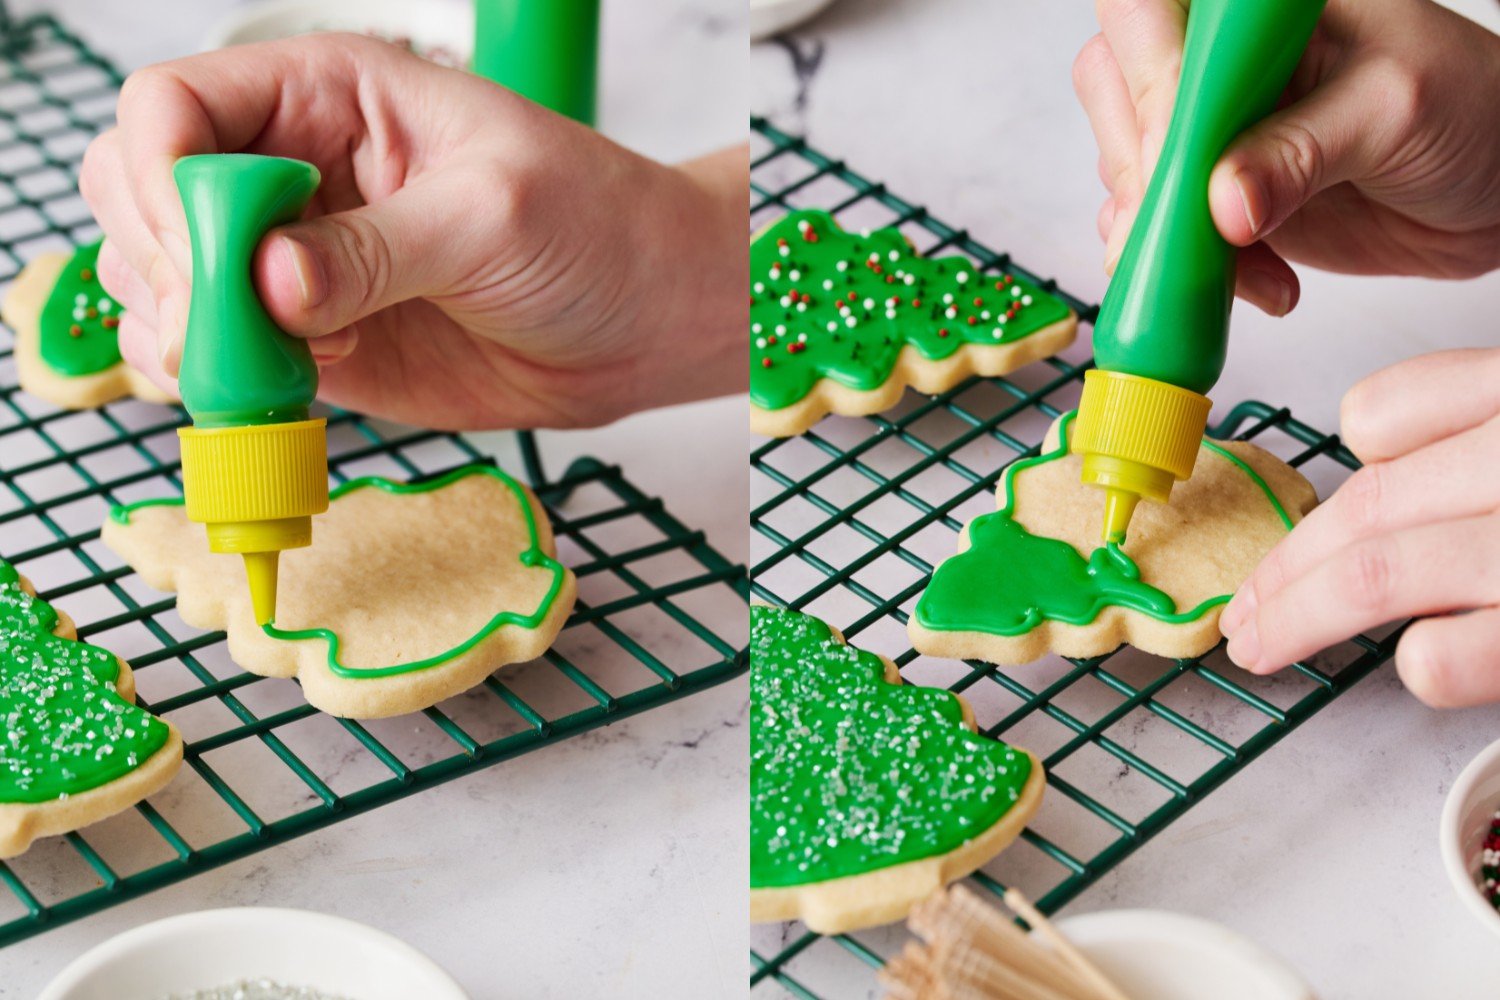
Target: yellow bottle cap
256, 488
1137, 436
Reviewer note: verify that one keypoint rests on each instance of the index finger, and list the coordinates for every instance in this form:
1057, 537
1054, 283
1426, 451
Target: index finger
221, 102
1146, 39
1423, 399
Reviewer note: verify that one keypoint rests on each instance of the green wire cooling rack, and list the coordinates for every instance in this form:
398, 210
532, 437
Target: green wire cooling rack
849, 519
262, 766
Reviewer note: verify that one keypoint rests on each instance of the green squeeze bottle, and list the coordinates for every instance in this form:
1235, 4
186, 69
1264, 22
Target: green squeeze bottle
1162, 331
254, 465
547, 50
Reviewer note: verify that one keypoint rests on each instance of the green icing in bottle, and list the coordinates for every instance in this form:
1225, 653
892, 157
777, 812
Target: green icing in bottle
238, 367
1165, 315
79, 327
66, 729
849, 773
1008, 581
829, 304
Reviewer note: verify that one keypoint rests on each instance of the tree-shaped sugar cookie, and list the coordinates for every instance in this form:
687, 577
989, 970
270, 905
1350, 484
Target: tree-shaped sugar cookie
1032, 578
75, 749
409, 594
66, 328
842, 323
866, 795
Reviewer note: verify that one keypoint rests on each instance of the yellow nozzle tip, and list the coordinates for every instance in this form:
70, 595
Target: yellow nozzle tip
1119, 505
260, 571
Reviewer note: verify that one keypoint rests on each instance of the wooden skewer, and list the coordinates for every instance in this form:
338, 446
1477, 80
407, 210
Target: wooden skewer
972, 920
970, 950
983, 976
1098, 980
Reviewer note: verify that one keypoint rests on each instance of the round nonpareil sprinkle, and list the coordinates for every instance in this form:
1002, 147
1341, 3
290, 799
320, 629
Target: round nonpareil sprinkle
867, 325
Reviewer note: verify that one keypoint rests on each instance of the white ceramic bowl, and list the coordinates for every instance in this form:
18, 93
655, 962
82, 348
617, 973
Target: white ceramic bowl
1467, 812
1171, 956
769, 17
430, 24
197, 951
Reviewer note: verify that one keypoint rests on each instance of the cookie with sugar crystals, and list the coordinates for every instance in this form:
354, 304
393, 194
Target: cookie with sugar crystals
77, 749
866, 794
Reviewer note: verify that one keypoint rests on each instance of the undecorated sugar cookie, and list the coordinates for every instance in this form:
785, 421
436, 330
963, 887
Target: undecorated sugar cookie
408, 595
866, 795
1021, 585
842, 323
67, 349
75, 749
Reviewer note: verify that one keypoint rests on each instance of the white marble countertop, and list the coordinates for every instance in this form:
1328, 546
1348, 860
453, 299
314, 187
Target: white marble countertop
611, 864
1325, 850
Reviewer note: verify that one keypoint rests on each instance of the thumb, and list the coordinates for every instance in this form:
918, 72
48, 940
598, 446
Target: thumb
1274, 167
320, 275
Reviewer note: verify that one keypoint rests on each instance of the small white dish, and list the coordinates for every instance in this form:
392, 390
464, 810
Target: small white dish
1467, 812
1171, 956
200, 951
432, 25
770, 17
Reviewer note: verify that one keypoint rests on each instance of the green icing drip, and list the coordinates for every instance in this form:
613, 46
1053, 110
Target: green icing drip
804, 326
1009, 580
849, 774
66, 730
95, 345
532, 556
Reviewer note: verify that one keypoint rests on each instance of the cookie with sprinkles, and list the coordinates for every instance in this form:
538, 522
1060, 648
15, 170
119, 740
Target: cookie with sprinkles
866, 795
66, 328
843, 322
76, 749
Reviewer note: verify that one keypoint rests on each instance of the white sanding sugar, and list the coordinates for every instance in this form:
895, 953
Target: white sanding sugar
257, 989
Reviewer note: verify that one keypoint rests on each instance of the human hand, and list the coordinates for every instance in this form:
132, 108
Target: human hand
1382, 159
471, 259
1415, 532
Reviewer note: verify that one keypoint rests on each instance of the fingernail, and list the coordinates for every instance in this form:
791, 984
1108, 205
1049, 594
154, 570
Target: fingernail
312, 283
1283, 298
335, 346
1244, 648
171, 356
1268, 292
169, 337
1235, 612
1253, 198
177, 251
1119, 235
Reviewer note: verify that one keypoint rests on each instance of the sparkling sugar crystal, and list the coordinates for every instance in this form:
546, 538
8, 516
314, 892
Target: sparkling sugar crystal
850, 773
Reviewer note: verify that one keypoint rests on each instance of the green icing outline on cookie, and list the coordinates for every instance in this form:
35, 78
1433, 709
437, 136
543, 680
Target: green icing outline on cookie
805, 266
56, 689
892, 770
1002, 551
96, 348
531, 557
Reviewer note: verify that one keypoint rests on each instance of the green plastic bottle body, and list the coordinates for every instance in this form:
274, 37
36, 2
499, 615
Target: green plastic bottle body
238, 367
546, 50
1166, 313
